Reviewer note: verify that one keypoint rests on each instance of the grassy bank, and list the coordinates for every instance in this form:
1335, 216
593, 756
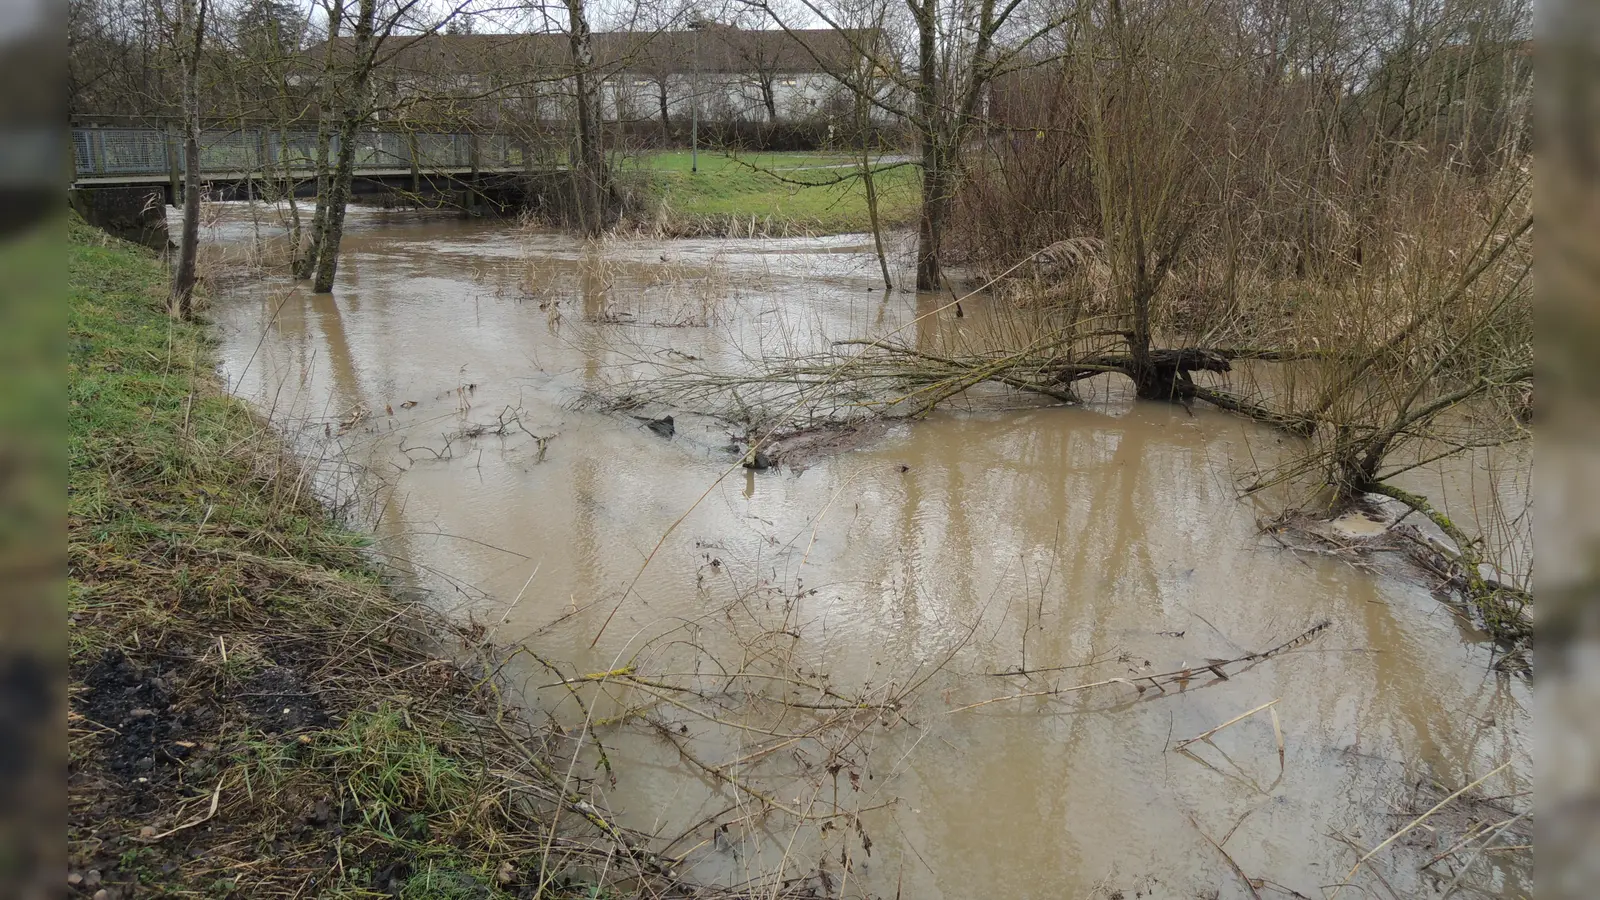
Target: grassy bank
782, 193
253, 712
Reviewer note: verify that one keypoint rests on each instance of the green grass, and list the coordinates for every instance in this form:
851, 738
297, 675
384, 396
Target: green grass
763, 185
404, 784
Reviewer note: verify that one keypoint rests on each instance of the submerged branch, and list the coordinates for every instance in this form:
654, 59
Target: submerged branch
1290, 422
1501, 609
1178, 678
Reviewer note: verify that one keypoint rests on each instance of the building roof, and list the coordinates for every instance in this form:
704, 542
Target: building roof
716, 48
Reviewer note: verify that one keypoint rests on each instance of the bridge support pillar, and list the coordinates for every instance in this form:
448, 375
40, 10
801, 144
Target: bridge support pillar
416, 168
174, 168
132, 213
472, 179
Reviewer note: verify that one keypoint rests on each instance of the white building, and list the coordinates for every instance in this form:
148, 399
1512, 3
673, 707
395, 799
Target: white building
725, 74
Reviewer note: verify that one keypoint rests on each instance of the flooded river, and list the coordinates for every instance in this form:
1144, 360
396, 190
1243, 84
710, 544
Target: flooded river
445, 385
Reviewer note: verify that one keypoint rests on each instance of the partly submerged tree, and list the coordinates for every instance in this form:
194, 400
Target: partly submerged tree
187, 30
956, 50
305, 258
332, 207
591, 178
347, 84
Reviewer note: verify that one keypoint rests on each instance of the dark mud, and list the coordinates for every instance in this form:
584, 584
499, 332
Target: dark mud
160, 738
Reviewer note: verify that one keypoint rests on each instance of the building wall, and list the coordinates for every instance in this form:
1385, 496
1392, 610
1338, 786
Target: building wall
723, 96
632, 97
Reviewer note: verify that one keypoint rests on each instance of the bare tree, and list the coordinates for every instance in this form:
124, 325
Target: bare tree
262, 61
1141, 101
956, 54
355, 91
305, 262
330, 232
760, 61
589, 163
188, 29
116, 61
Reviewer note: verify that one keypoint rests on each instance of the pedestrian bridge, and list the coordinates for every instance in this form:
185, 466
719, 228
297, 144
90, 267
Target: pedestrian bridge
247, 160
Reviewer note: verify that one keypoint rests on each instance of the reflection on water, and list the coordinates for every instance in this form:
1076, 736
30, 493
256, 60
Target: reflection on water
449, 367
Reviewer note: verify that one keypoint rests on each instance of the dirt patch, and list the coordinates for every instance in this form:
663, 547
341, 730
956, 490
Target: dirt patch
134, 705
160, 739
280, 701
139, 742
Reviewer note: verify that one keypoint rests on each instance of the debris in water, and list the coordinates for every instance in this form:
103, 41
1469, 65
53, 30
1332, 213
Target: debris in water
662, 426
757, 460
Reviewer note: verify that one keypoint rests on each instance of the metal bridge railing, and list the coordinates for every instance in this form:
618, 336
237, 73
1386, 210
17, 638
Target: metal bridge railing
113, 152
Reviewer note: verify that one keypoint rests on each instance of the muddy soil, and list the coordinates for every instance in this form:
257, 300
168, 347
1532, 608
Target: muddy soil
158, 743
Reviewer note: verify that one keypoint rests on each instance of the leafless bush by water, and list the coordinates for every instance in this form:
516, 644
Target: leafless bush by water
1410, 368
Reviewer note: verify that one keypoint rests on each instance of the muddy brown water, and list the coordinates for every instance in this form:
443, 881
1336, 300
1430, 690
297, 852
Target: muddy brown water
983, 539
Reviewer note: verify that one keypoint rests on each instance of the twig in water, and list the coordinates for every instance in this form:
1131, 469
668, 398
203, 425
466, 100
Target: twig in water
1485, 848
1049, 693
1414, 823
1206, 736
1179, 677
1277, 731
1249, 885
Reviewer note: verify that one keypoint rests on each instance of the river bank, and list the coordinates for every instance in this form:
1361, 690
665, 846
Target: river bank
255, 711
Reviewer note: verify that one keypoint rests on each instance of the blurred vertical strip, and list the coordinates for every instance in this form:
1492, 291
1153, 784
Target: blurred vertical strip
32, 448
1567, 526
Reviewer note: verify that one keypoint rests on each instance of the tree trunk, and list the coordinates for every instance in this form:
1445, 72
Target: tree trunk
1145, 375
930, 226
769, 99
332, 231
935, 210
327, 259
181, 303
666, 122
183, 277
305, 262
590, 164
285, 161
864, 122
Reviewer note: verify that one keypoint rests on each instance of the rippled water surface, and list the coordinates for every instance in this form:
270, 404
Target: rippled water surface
444, 383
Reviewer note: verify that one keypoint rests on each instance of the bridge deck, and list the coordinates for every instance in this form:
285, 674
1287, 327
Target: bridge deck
297, 174
132, 156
